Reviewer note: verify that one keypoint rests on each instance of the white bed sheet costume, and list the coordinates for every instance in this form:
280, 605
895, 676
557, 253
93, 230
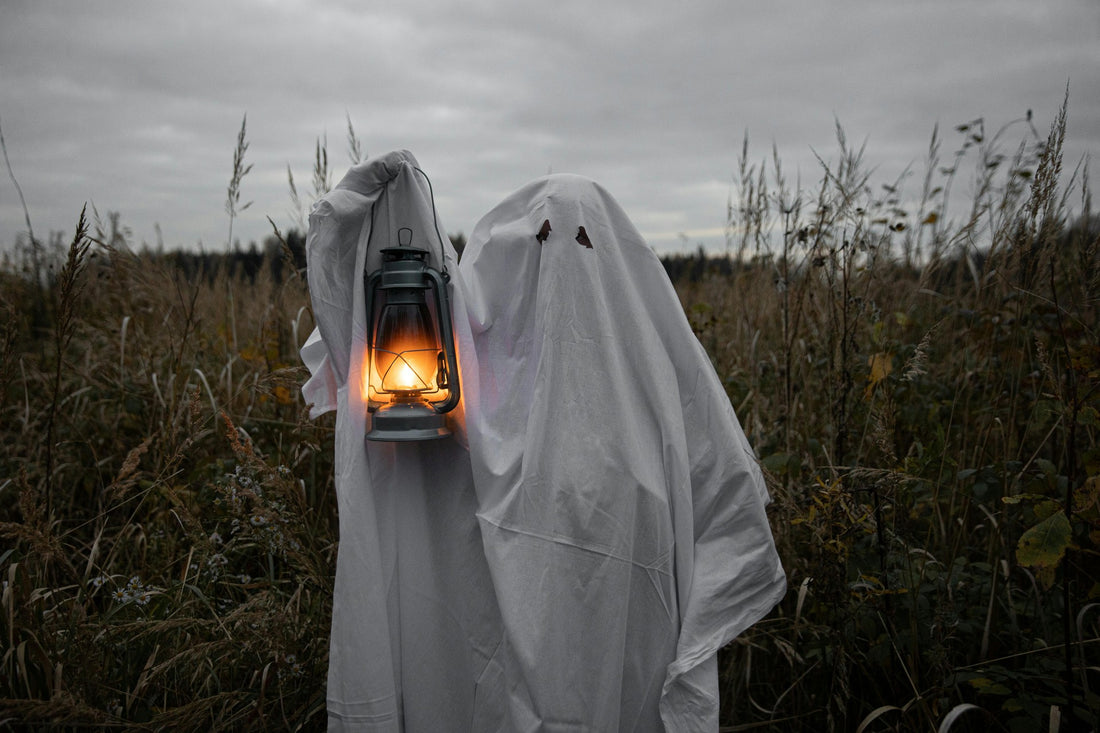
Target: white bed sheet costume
594, 531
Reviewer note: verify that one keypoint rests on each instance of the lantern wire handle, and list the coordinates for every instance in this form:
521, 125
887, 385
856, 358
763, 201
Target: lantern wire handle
435, 225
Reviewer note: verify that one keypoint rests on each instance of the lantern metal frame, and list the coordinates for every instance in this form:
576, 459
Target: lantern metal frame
406, 278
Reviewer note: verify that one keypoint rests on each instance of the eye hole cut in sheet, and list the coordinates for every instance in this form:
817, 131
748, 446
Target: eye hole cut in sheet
574, 558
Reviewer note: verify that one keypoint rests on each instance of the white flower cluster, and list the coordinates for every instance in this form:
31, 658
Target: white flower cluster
133, 592
255, 517
246, 482
292, 667
214, 565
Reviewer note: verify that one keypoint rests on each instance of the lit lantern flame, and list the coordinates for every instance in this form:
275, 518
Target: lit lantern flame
411, 375
406, 337
412, 370
406, 378
405, 360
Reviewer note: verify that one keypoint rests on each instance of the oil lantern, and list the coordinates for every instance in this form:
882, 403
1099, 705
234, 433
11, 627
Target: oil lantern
411, 378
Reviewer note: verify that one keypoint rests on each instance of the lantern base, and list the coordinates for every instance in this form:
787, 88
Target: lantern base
406, 422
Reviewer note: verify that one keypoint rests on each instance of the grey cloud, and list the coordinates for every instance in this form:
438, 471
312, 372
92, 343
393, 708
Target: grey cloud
137, 107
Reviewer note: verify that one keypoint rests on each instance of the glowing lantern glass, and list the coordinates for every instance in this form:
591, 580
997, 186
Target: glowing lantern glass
411, 378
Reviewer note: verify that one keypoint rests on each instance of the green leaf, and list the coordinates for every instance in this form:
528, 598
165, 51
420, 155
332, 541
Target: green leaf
1046, 508
986, 686
1048, 468
794, 464
1043, 546
776, 462
1089, 417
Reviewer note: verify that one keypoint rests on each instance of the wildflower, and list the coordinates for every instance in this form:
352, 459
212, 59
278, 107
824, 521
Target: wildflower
143, 598
218, 560
135, 582
98, 581
121, 595
258, 520
245, 578
216, 539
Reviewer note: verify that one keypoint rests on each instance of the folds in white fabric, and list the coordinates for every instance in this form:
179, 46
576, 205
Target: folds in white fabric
575, 558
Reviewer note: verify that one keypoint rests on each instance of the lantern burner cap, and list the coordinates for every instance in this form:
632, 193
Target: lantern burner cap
407, 421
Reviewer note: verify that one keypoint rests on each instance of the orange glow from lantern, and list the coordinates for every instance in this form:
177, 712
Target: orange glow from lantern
405, 378
411, 375
406, 370
410, 370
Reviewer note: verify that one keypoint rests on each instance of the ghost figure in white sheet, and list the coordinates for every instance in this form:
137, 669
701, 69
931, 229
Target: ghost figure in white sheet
594, 532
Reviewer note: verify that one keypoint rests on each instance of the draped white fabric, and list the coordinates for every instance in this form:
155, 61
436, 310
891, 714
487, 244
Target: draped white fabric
414, 617
575, 556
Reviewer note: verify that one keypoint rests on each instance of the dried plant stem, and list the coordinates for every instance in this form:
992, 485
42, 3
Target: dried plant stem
69, 288
298, 212
355, 146
322, 176
233, 205
37, 311
19, 190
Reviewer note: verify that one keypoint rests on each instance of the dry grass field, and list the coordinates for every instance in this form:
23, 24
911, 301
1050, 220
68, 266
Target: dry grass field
920, 379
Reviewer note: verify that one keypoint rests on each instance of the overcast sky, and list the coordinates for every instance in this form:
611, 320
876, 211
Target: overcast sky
135, 106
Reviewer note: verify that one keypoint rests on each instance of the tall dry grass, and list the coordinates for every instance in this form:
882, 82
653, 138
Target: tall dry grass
168, 552
919, 378
923, 390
